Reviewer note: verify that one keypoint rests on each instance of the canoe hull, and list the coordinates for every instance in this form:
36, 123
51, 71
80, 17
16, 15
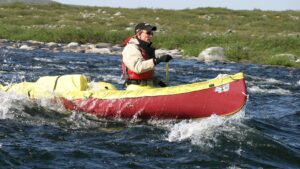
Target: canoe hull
221, 100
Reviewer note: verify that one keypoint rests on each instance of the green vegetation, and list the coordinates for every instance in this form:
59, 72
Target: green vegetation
247, 36
29, 1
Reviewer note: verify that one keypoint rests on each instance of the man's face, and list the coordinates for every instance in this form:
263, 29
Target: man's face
145, 35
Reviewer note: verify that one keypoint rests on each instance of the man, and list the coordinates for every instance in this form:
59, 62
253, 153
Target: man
138, 57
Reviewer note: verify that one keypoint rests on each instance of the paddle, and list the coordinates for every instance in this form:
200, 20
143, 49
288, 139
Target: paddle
167, 73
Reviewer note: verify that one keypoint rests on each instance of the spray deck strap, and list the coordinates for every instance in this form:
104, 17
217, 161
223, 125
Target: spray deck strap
56, 81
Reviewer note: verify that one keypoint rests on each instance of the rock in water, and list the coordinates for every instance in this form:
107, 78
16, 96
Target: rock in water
212, 54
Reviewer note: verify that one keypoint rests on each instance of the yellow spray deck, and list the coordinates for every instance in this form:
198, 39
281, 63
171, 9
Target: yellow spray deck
76, 87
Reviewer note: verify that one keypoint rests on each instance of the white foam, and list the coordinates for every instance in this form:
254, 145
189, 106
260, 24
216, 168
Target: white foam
10, 104
116, 79
298, 83
35, 67
199, 79
219, 69
49, 60
61, 67
272, 81
256, 89
203, 132
275, 81
261, 80
233, 167
79, 120
13, 106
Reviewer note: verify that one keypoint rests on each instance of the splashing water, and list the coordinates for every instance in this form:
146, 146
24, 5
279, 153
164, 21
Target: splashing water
257, 89
11, 104
204, 132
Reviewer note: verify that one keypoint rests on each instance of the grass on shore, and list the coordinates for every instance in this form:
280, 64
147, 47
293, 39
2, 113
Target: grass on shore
247, 36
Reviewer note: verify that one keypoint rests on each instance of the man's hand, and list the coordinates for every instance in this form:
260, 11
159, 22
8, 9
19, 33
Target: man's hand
164, 58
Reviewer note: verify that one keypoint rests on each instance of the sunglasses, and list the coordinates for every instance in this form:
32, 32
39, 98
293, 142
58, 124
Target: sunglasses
149, 33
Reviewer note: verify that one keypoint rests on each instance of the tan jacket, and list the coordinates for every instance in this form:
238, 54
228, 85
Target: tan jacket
133, 59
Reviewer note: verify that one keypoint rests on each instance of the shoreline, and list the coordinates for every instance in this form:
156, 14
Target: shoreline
75, 47
112, 49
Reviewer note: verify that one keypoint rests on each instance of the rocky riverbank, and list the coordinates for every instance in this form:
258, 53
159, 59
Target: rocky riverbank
99, 48
208, 55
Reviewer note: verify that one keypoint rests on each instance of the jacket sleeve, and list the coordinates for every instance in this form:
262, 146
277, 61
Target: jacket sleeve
134, 60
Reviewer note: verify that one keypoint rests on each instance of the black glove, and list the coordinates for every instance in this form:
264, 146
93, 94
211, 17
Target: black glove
164, 58
162, 84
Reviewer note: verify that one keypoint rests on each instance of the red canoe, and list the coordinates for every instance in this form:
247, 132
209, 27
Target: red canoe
221, 96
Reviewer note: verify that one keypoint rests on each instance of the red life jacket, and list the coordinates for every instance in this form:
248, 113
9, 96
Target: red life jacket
131, 75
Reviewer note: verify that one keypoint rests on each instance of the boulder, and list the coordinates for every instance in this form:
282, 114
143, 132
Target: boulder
118, 14
4, 40
212, 54
74, 50
52, 44
34, 42
26, 47
73, 44
117, 47
87, 46
129, 29
103, 45
99, 50
285, 56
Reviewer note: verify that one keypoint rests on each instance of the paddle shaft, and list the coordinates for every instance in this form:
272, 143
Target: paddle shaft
167, 73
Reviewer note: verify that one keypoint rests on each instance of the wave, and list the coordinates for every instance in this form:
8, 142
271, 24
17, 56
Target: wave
15, 106
47, 60
219, 69
49, 112
10, 104
203, 132
112, 78
236, 136
266, 81
273, 81
256, 89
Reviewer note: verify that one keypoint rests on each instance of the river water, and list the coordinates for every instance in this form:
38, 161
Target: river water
40, 134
